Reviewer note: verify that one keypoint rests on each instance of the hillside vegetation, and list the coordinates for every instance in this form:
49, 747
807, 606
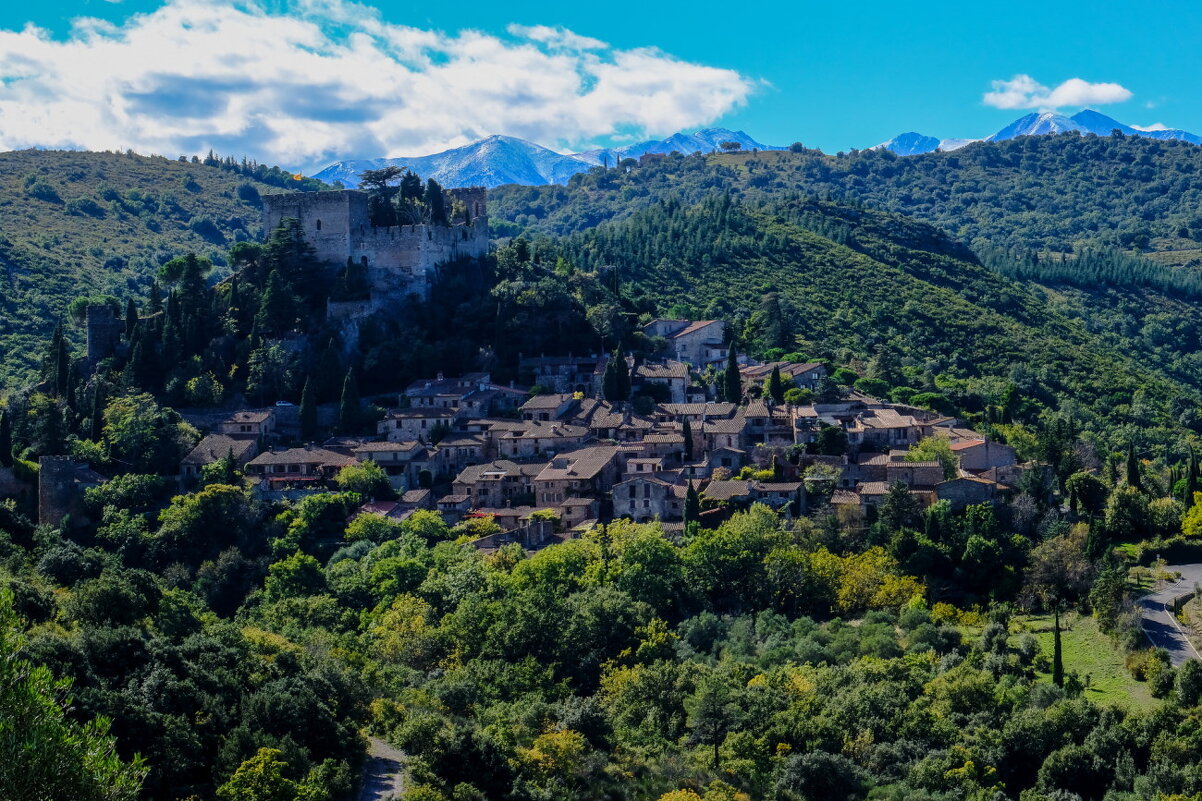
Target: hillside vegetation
89, 224
1044, 193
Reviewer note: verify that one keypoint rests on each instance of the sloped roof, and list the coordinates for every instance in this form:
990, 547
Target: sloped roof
217, 446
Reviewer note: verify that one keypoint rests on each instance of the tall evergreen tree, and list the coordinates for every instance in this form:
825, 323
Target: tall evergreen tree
58, 362
1191, 480
732, 382
1133, 468
328, 368
6, 440
349, 411
96, 423
308, 410
776, 387
435, 203
131, 319
686, 430
692, 505
277, 312
623, 370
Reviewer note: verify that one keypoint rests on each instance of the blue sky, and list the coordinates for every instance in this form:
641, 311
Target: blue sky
817, 73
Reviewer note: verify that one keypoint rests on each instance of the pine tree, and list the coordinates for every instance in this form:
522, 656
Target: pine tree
6, 440
308, 411
776, 387
349, 408
1133, 468
732, 381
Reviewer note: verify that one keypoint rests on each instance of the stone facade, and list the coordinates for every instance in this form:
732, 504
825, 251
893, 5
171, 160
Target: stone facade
400, 260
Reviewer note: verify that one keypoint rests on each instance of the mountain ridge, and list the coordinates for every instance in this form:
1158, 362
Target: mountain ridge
499, 159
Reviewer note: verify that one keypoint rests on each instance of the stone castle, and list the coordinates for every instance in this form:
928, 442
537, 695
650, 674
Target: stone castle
401, 260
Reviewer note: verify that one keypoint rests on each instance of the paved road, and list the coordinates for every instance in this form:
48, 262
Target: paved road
383, 774
1157, 618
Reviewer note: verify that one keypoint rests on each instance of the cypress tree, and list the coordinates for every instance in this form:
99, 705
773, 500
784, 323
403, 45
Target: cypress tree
348, 408
609, 382
58, 362
776, 387
732, 382
1191, 480
692, 505
687, 431
308, 410
96, 433
6, 440
155, 303
131, 319
623, 376
1133, 468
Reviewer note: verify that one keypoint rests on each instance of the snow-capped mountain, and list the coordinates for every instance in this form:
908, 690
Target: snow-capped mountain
508, 160
1043, 123
490, 162
909, 144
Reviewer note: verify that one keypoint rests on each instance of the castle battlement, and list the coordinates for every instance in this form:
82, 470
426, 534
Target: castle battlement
400, 259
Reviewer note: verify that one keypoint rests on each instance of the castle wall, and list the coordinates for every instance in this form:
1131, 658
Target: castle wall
400, 260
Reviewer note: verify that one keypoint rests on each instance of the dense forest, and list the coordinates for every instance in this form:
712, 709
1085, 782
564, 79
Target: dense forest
1060, 194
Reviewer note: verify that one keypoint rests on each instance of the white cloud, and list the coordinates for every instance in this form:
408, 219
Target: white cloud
1023, 91
1156, 126
331, 79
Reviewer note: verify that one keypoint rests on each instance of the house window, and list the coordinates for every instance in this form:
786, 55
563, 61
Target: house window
319, 225
646, 504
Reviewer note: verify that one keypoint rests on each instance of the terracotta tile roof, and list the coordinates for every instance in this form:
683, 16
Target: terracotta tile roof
693, 327
387, 447
842, 497
548, 402
873, 488
418, 413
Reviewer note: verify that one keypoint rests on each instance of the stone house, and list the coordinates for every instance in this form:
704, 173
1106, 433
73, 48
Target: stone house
213, 447
781, 495
589, 472
574, 512
724, 433
546, 408
497, 484
882, 428
530, 440
565, 374
698, 343
968, 490
62, 482
420, 424
254, 423
402, 461
457, 450
914, 474
672, 375
979, 455
298, 465
805, 375
647, 498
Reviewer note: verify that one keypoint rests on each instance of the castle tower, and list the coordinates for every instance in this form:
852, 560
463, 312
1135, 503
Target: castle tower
104, 331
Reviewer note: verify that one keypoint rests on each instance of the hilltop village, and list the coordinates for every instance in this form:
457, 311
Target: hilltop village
589, 439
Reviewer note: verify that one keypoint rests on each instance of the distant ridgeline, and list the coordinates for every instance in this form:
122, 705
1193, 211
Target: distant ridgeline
390, 261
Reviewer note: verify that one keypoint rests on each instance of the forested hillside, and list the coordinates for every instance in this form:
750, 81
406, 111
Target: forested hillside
1044, 193
78, 224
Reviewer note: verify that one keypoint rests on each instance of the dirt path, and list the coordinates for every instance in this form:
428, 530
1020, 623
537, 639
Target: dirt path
383, 774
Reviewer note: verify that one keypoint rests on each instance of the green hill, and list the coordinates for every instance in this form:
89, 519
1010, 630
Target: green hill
1056, 194
86, 224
